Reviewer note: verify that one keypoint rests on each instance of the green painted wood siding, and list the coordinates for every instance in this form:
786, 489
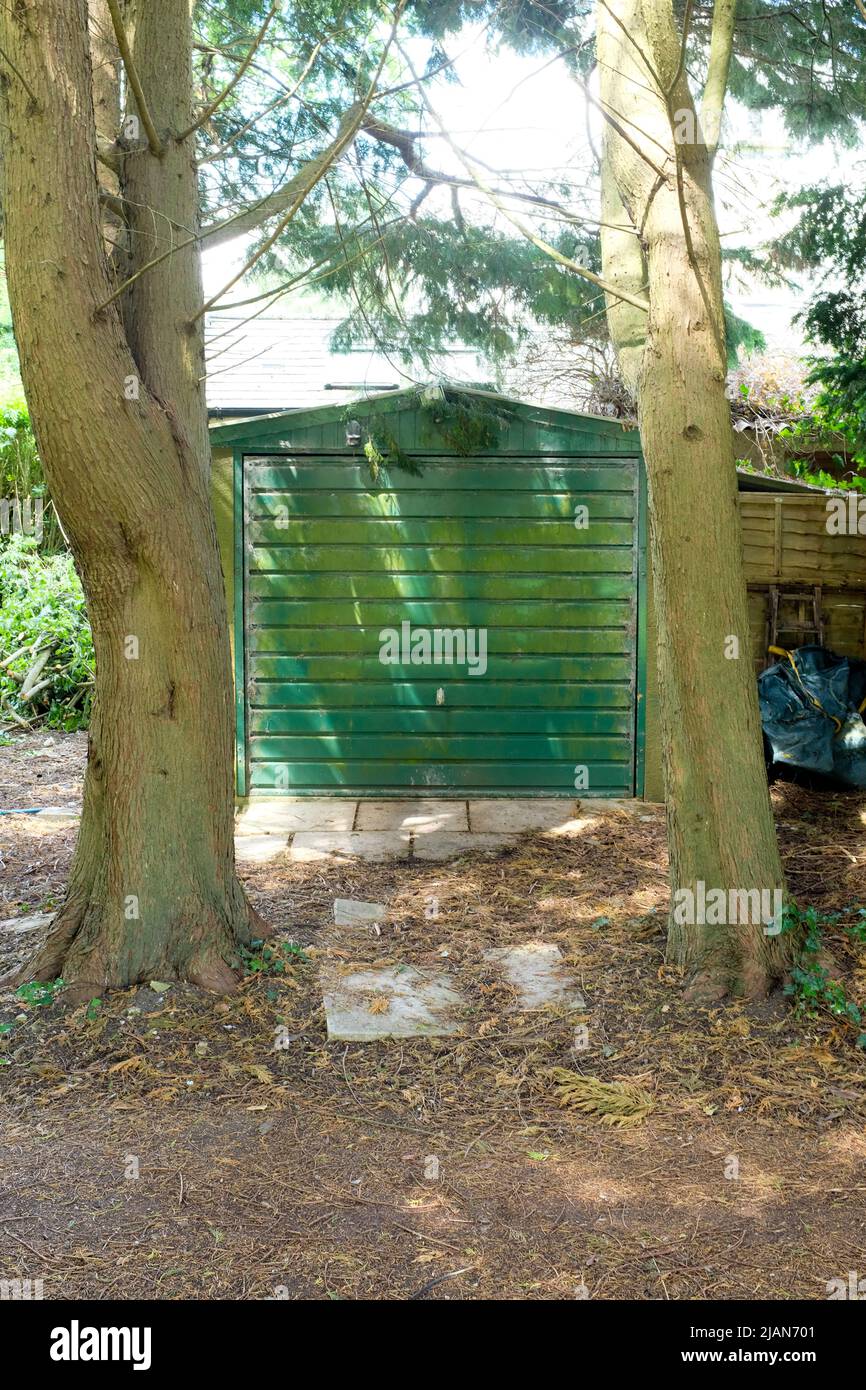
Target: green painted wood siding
332, 561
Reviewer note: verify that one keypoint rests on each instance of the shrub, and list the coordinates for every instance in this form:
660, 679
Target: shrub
46, 651
21, 475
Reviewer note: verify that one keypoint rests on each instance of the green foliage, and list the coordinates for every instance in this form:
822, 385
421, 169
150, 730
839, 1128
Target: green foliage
42, 609
857, 929
20, 468
741, 336
21, 475
411, 275
38, 993
10, 378
813, 990
412, 264
829, 238
805, 469
464, 424
279, 959
806, 925
467, 283
382, 447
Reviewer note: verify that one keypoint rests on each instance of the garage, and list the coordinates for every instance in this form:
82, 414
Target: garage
435, 603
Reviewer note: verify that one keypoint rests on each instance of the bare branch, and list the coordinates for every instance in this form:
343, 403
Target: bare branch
153, 139
405, 143
109, 154
229, 88
113, 203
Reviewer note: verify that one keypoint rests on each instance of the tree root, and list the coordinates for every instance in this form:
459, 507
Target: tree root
92, 961
706, 987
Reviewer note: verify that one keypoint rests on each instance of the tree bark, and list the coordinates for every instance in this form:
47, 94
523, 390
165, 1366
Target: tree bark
720, 823
118, 410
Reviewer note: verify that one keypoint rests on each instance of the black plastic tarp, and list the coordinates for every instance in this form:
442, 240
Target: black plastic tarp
812, 704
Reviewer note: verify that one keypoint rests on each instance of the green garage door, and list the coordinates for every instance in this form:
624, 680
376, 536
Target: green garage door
470, 631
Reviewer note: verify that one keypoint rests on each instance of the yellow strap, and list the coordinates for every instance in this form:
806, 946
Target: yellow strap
782, 651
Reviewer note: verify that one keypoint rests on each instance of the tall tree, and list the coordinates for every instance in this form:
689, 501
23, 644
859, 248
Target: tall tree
660, 145
116, 398
656, 173
106, 295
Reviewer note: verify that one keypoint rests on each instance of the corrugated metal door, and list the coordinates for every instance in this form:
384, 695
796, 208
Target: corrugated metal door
471, 631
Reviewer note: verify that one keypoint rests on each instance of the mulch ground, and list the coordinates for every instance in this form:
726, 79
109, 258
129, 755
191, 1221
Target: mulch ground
158, 1145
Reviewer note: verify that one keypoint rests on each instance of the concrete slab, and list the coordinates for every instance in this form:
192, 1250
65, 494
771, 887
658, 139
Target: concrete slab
446, 845
520, 817
352, 912
394, 1002
376, 845
421, 817
537, 973
280, 815
259, 849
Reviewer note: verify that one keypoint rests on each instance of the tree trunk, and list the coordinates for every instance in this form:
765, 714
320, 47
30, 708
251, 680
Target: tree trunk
119, 416
720, 823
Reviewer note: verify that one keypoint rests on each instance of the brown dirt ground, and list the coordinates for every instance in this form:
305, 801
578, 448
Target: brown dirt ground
300, 1173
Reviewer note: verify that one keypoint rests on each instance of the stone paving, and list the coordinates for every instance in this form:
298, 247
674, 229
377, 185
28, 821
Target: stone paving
372, 999
312, 829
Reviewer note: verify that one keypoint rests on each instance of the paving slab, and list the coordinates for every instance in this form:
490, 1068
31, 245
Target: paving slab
406, 1003
450, 845
259, 849
421, 817
377, 846
282, 814
520, 817
536, 971
353, 912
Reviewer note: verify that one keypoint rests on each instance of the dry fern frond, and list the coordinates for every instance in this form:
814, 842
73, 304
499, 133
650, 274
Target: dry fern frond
612, 1102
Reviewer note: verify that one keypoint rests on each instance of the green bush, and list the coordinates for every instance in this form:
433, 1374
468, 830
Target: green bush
21, 475
46, 651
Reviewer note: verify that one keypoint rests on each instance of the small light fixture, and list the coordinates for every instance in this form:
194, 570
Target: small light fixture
353, 432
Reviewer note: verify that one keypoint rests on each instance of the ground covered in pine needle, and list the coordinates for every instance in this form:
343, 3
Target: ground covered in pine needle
158, 1145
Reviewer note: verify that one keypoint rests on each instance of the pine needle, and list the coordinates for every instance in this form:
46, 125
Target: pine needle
612, 1102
